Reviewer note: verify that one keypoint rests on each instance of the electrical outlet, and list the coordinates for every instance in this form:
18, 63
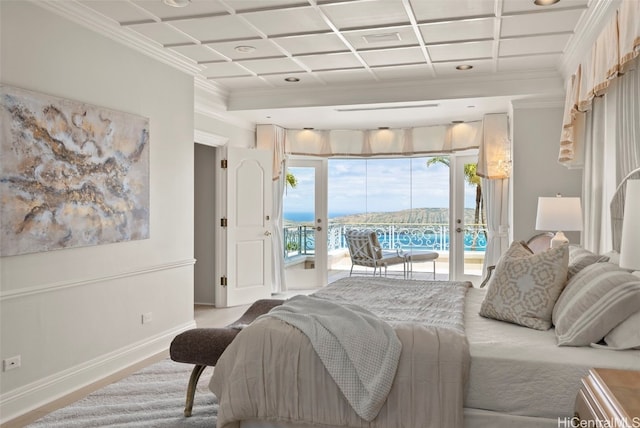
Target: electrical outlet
11, 363
147, 317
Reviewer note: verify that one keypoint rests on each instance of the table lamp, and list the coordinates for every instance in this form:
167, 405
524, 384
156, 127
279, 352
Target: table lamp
559, 214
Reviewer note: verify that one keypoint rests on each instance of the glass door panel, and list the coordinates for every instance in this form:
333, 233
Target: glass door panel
304, 220
468, 225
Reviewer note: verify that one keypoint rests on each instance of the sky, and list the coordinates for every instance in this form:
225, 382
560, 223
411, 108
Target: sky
376, 185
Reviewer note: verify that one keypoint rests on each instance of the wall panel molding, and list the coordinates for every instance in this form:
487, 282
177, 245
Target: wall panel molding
57, 286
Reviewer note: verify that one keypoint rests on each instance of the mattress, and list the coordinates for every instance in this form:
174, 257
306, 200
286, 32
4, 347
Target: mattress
521, 371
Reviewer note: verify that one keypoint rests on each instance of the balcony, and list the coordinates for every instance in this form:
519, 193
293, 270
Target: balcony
299, 242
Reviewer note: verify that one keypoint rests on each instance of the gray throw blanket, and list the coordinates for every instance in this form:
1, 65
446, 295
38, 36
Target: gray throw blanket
358, 349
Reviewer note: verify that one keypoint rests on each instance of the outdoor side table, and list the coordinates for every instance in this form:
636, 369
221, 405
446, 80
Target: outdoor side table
418, 256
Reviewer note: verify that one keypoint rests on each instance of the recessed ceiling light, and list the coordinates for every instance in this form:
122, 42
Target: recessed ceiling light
308, 129
291, 79
383, 127
471, 106
245, 49
455, 122
464, 67
545, 2
176, 3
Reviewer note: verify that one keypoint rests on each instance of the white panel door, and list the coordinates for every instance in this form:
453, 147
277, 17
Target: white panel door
249, 213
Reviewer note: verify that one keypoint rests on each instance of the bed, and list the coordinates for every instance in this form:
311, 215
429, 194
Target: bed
515, 375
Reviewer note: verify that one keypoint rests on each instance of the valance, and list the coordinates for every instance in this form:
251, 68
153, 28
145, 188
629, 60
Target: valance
613, 53
384, 142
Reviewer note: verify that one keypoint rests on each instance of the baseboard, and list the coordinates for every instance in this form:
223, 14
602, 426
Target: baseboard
29, 397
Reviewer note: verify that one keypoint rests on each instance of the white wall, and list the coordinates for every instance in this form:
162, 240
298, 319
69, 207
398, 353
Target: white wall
536, 126
74, 315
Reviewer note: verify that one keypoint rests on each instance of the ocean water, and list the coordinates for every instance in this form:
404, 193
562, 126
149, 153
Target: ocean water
306, 216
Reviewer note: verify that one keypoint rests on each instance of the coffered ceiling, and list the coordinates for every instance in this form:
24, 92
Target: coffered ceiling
259, 55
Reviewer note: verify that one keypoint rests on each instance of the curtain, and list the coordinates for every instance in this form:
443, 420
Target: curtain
613, 54
494, 166
495, 194
612, 150
271, 137
494, 156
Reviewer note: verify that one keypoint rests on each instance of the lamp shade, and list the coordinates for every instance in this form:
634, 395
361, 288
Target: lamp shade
630, 244
559, 214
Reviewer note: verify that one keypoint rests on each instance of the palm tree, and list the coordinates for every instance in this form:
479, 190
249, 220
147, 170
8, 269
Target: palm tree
473, 179
291, 180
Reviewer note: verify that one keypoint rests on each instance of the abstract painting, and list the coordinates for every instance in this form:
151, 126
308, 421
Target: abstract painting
71, 174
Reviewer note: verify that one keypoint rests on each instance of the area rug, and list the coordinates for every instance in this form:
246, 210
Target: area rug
151, 397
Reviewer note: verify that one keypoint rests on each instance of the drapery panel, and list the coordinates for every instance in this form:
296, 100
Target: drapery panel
271, 137
612, 150
494, 156
613, 54
496, 198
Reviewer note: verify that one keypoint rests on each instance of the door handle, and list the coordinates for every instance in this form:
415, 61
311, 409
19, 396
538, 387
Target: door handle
458, 229
267, 233
318, 228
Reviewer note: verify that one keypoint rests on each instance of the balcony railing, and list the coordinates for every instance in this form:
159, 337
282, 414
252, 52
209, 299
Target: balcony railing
300, 240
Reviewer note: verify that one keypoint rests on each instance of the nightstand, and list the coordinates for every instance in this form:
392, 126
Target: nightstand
610, 397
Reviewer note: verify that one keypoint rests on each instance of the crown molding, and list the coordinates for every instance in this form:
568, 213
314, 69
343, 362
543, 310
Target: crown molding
209, 139
588, 29
209, 98
81, 14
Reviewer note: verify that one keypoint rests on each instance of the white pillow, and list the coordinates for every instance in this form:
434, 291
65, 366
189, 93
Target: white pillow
626, 335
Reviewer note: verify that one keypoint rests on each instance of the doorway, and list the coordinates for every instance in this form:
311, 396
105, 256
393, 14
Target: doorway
420, 203
204, 211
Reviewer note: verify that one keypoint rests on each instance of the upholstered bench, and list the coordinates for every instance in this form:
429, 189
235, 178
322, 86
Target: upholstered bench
203, 346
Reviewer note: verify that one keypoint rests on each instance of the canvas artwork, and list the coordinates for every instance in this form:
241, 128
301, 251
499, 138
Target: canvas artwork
71, 174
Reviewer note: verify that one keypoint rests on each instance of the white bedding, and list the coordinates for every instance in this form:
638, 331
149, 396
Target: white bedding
521, 371
271, 371
518, 376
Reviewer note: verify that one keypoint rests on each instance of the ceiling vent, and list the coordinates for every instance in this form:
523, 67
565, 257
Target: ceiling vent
382, 37
386, 107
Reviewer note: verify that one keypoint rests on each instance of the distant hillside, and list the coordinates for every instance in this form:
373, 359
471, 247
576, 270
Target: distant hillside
415, 215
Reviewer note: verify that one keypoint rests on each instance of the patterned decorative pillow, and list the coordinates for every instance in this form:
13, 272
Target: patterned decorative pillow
596, 300
524, 287
580, 258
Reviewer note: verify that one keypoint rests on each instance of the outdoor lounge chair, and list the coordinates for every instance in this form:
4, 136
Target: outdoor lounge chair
365, 250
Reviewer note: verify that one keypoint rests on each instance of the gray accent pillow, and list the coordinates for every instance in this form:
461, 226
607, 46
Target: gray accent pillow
524, 287
596, 300
580, 258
